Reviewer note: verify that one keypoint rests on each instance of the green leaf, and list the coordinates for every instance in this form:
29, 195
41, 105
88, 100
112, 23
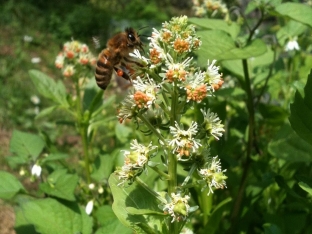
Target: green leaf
289, 146
48, 88
46, 111
270, 228
231, 28
301, 112
216, 216
134, 211
290, 30
9, 186
109, 222
122, 132
50, 216
26, 145
61, 185
139, 198
296, 11
217, 44
104, 165
54, 157
305, 187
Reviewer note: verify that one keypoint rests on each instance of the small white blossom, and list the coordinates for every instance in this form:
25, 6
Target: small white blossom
91, 186
183, 140
28, 38
212, 76
292, 45
36, 170
89, 207
35, 99
213, 176
212, 124
36, 60
178, 208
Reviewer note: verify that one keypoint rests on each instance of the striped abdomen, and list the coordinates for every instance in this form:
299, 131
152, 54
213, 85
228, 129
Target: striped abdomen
104, 68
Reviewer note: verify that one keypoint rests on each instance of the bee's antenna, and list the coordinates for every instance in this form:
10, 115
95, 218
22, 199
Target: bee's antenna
143, 27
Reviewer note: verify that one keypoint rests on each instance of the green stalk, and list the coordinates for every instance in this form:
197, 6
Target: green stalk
83, 127
152, 128
172, 159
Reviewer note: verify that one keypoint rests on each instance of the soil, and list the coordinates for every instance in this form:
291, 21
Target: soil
7, 216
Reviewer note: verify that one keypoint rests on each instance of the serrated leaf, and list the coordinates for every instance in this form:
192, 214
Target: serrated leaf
9, 186
50, 216
305, 187
296, 11
26, 145
108, 221
48, 88
61, 185
230, 28
289, 146
301, 112
137, 197
217, 44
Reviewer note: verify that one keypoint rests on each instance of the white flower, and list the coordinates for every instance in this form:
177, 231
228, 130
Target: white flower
35, 99
139, 58
89, 207
91, 186
292, 45
36, 170
212, 76
183, 140
178, 208
36, 60
213, 175
27, 38
148, 87
212, 124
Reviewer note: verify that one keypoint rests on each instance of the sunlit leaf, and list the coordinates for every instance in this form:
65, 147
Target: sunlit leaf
296, 11
9, 185
26, 145
137, 197
305, 187
108, 221
217, 44
50, 216
231, 28
48, 88
60, 184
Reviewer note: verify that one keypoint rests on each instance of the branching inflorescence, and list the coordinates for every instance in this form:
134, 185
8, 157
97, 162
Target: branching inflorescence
165, 86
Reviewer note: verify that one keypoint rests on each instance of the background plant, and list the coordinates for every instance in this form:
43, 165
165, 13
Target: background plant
268, 181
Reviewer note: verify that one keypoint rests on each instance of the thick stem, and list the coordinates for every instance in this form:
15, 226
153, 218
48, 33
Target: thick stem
172, 159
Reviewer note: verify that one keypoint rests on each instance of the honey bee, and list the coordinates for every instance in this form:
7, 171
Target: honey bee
116, 57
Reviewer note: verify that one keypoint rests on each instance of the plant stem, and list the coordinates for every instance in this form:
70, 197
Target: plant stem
83, 126
172, 159
250, 143
152, 128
